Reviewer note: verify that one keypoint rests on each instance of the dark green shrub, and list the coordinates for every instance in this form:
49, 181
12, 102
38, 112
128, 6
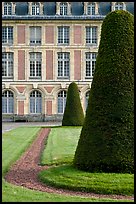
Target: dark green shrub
107, 138
73, 114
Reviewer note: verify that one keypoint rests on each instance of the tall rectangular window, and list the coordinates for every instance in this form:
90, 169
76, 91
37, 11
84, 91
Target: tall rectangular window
91, 35
35, 35
63, 35
90, 64
35, 65
63, 64
7, 8
35, 8
63, 9
7, 64
91, 9
7, 35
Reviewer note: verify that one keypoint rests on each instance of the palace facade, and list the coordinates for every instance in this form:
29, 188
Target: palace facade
46, 46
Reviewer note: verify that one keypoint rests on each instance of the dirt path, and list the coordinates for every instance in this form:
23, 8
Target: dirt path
24, 171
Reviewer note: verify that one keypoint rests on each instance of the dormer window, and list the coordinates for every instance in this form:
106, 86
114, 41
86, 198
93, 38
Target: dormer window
91, 9
63, 9
118, 6
35, 9
7, 8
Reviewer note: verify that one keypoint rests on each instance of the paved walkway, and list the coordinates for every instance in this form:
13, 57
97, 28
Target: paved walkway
7, 126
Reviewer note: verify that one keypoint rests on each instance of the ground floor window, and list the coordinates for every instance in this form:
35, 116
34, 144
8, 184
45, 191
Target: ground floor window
86, 99
35, 102
61, 101
7, 102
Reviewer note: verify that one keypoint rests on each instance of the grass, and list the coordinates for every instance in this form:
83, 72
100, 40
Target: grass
61, 146
60, 149
14, 143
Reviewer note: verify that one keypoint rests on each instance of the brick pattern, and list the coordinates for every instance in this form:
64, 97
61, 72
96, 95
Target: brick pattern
49, 108
49, 89
77, 35
21, 64
49, 65
77, 64
21, 34
20, 89
20, 107
49, 34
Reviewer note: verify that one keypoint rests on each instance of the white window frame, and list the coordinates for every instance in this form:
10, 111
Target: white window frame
7, 34
86, 99
63, 35
63, 8
7, 64
119, 6
35, 35
7, 102
7, 8
35, 8
91, 8
90, 58
63, 65
35, 102
61, 101
35, 64
92, 35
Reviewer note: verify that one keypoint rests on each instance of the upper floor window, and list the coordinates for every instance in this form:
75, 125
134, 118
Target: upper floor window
35, 64
90, 64
7, 35
35, 8
61, 101
91, 9
35, 35
118, 6
91, 35
63, 9
7, 64
7, 8
63, 35
7, 102
35, 102
63, 64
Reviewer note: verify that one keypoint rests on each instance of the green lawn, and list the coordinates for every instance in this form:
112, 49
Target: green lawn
14, 143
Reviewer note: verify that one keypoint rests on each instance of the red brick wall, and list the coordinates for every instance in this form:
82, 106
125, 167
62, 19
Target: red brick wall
20, 107
77, 64
49, 108
48, 89
20, 89
49, 64
77, 35
21, 64
21, 33
49, 34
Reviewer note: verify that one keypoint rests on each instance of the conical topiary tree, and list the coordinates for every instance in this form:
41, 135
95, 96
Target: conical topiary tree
73, 114
107, 138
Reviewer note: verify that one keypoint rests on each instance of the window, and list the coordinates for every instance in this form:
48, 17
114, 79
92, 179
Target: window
63, 9
86, 99
7, 64
91, 9
35, 64
63, 64
7, 8
35, 9
90, 64
91, 35
7, 35
35, 102
7, 102
61, 101
35, 35
118, 6
63, 35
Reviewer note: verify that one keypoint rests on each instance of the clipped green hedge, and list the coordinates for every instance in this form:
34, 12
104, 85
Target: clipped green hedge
107, 138
73, 114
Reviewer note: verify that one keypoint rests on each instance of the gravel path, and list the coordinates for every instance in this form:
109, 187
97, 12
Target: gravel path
24, 171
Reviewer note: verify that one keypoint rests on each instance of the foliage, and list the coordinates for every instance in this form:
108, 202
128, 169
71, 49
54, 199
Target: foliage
73, 114
107, 138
